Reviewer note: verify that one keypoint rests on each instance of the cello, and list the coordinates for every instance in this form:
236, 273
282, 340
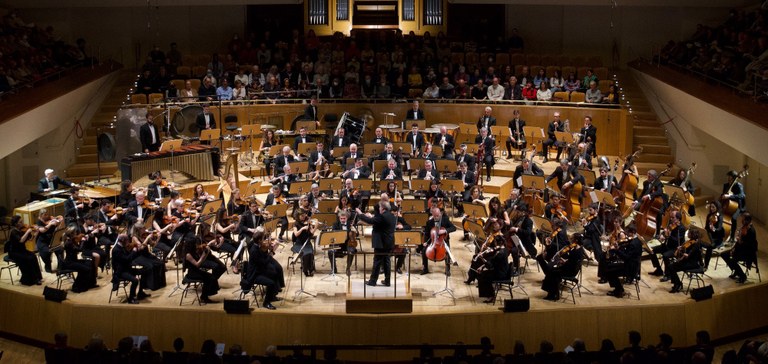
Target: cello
628, 184
729, 206
436, 251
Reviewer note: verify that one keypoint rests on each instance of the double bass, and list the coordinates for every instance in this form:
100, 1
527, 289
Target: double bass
645, 220
729, 206
628, 185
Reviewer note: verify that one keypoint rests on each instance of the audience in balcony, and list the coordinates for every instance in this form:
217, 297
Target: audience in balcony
593, 94
544, 93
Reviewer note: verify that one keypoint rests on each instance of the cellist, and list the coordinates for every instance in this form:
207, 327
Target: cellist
444, 227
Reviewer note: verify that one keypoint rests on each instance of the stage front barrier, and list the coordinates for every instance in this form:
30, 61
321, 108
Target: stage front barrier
395, 298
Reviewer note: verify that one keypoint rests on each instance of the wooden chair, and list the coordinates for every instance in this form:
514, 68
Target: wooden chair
199, 71
472, 59
532, 58
487, 59
179, 84
457, 58
551, 71
567, 70
578, 61
517, 59
155, 98
202, 60
139, 99
603, 85
195, 83
581, 71
562, 96
184, 71
502, 60
578, 96
188, 60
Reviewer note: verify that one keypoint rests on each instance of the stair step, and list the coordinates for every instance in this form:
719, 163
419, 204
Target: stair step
654, 149
88, 149
654, 140
648, 131
644, 167
91, 169
657, 158
644, 114
647, 123
89, 139
87, 158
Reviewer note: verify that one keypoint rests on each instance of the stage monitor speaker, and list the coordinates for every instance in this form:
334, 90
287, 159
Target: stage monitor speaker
237, 306
53, 294
703, 293
517, 305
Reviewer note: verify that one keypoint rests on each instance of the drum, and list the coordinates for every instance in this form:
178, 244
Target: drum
387, 129
451, 129
353, 127
183, 122
397, 135
431, 131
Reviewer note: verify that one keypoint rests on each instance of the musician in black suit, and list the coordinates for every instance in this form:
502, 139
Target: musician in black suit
391, 172
593, 229
74, 208
262, 269
283, 160
379, 138
415, 113
383, 240
652, 189
605, 181
276, 198
52, 182
318, 157
311, 112
122, 261
468, 178
589, 135
112, 222
339, 140
388, 153
516, 134
487, 143
426, 153
137, 210
343, 223
581, 158
524, 229
301, 138
734, 191
444, 226
486, 120
744, 250
673, 235
462, 156
284, 180
158, 189
625, 261
429, 172
562, 264
358, 171
205, 120
415, 139
148, 135
526, 167
687, 256
250, 221
353, 153
554, 125
445, 141
566, 175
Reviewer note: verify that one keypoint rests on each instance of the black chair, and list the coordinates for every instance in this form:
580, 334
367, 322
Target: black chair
64, 274
10, 264
193, 284
509, 284
252, 290
572, 283
747, 264
696, 274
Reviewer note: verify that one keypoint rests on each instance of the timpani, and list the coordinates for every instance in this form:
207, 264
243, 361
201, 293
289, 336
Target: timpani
387, 129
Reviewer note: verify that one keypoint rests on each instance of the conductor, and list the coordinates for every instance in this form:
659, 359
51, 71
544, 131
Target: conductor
383, 240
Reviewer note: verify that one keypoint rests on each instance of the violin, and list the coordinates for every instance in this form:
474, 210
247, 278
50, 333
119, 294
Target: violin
558, 258
119, 211
559, 211
548, 240
680, 252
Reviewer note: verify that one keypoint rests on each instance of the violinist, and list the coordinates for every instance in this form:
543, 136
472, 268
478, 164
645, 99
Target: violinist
522, 227
126, 193
158, 189
303, 206
686, 256
314, 197
86, 271
348, 247
302, 244
462, 156
626, 263
139, 209
495, 265
75, 207
487, 143
673, 236
250, 221
152, 269
401, 225
714, 228
212, 263
224, 227
496, 212
353, 194
108, 216
393, 194
360, 171
196, 253
744, 249
46, 226
429, 173
236, 204
268, 142
593, 230
733, 190
90, 243
18, 253
557, 239
391, 172
276, 198
122, 268
555, 209
201, 197
264, 270
564, 263
186, 220
164, 225
444, 226
682, 181
435, 196
528, 168
483, 252
284, 180
475, 197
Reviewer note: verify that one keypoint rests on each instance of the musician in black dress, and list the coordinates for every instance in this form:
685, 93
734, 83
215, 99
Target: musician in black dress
744, 250
443, 226
196, 252
46, 226
554, 125
262, 269
224, 227
345, 249
516, 134
624, 261
434, 196
383, 240
476, 198
122, 268
90, 244
714, 228
564, 263
687, 256
236, 205
165, 226
484, 252
495, 267
85, 278
734, 191
556, 240
487, 143
303, 244
126, 193
18, 253
528, 168
152, 268
593, 229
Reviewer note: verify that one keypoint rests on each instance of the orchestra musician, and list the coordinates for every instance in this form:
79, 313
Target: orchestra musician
263, 269
522, 226
487, 143
588, 136
415, 113
427, 154
86, 271
516, 134
462, 156
319, 157
593, 230
555, 209
652, 189
314, 197
158, 189
186, 219
152, 269
46, 226
18, 253
351, 154
345, 249
495, 265
200, 197
624, 261
388, 153
528, 168
90, 243
148, 135
393, 195
196, 253
486, 121
566, 175
468, 179
391, 172
673, 235
401, 225
554, 126
428, 173
75, 207
302, 244
496, 212
311, 112
250, 221
445, 141
301, 138
605, 181
284, 180
276, 198
236, 204
339, 140
714, 228
512, 203
735, 193
564, 262
687, 186
164, 225
283, 160
443, 224
415, 139
558, 239
383, 240
435, 196
122, 268
581, 157
475, 197
379, 138
205, 120
267, 142
224, 226
126, 193
744, 249
138, 209
52, 182
686, 256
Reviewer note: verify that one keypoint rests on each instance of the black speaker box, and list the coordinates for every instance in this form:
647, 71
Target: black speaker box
703, 293
237, 306
53, 294
517, 305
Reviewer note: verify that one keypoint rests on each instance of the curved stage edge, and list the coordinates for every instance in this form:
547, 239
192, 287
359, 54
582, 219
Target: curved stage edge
725, 314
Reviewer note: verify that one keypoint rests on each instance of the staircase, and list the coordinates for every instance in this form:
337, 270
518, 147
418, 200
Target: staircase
85, 168
648, 132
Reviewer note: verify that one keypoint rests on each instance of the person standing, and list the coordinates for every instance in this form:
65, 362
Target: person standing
383, 240
148, 135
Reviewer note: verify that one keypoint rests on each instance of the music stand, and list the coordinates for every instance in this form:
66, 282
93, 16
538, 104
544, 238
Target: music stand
415, 164
420, 185
564, 137
602, 197
589, 176
363, 184
329, 184
467, 128
306, 124
373, 149
210, 134
472, 148
211, 207
530, 181
171, 145
452, 187
278, 210
407, 148
328, 206
541, 223
416, 219
500, 133
332, 240
276, 150
325, 218
411, 205
476, 230
408, 239
675, 193
475, 210
299, 167
300, 188
301, 289
307, 148
446, 166
338, 152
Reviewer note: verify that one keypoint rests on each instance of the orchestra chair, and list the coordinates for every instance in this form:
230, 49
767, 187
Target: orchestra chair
748, 265
572, 283
562, 96
696, 274
578, 96
62, 275
10, 264
156, 98
5, 227
139, 99
635, 281
124, 284
195, 285
252, 290
508, 283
